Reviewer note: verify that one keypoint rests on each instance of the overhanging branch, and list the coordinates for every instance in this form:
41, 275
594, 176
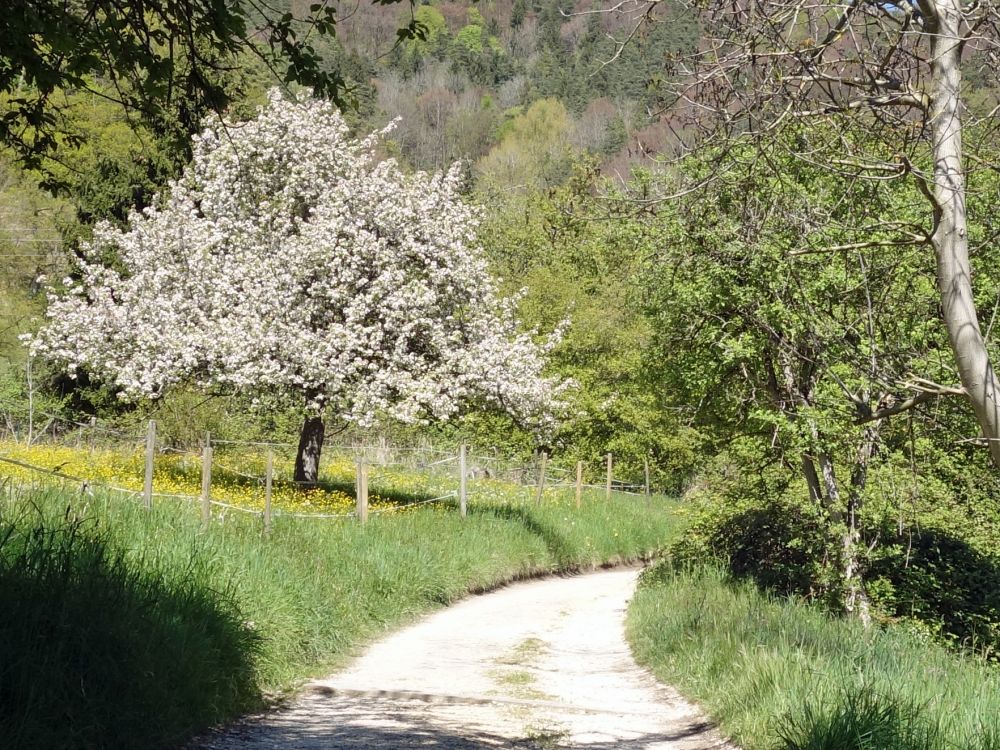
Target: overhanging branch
927, 391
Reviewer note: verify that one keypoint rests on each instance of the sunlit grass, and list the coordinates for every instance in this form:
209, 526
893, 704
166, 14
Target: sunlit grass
781, 675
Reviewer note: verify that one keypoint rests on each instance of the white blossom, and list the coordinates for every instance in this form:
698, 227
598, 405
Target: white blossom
289, 258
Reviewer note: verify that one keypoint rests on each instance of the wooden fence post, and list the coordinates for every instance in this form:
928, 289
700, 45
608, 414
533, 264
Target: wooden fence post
541, 478
579, 483
361, 491
645, 468
268, 483
462, 474
206, 484
147, 485
607, 488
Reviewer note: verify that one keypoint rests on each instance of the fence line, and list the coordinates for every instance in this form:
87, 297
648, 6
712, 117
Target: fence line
287, 514
355, 447
259, 479
616, 485
404, 506
89, 484
230, 506
536, 476
484, 466
256, 443
53, 472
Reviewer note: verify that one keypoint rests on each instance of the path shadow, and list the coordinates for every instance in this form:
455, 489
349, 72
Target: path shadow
321, 723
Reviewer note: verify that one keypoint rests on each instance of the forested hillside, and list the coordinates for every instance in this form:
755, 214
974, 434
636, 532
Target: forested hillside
462, 91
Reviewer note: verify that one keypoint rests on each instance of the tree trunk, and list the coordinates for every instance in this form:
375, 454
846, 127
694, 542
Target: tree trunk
310, 447
951, 242
812, 478
855, 600
843, 517
855, 597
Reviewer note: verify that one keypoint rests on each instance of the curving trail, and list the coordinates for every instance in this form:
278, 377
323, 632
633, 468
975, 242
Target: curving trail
537, 665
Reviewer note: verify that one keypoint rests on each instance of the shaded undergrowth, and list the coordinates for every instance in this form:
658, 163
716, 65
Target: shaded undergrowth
940, 572
92, 640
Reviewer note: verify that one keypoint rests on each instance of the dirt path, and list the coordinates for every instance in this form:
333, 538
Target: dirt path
535, 665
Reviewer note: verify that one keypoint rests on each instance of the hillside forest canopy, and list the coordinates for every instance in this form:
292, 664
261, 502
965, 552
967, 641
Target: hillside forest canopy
771, 230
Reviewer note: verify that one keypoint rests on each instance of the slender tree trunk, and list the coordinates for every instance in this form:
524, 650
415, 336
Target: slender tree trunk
844, 516
855, 598
790, 401
951, 241
812, 478
825, 489
310, 447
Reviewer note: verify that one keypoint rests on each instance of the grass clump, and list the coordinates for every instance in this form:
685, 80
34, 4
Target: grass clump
126, 628
781, 675
862, 719
524, 653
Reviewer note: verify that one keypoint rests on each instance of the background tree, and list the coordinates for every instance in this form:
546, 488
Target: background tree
804, 351
894, 70
582, 258
289, 260
534, 151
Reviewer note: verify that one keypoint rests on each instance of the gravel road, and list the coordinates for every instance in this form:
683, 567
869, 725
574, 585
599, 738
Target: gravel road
538, 665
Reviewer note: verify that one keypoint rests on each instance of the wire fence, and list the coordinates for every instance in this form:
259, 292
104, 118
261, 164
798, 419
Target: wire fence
264, 465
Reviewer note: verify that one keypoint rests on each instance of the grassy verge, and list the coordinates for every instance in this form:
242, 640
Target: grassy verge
777, 674
122, 628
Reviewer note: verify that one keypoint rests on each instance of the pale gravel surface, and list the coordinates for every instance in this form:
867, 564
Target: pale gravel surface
539, 665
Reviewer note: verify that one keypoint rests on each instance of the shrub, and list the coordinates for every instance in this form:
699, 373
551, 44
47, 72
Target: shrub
929, 557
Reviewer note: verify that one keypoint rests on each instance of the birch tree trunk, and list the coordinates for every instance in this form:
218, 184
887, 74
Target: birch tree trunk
951, 242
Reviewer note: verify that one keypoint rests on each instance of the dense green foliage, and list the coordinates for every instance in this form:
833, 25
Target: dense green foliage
586, 258
137, 628
791, 329
778, 674
164, 63
934, 564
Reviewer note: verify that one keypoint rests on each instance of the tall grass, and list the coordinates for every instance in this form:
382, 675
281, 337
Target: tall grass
126, 628
778, 674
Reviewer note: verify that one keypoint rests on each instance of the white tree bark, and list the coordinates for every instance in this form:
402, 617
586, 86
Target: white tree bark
951, 242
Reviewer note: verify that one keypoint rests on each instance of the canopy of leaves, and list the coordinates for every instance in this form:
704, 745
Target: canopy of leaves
162, 60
